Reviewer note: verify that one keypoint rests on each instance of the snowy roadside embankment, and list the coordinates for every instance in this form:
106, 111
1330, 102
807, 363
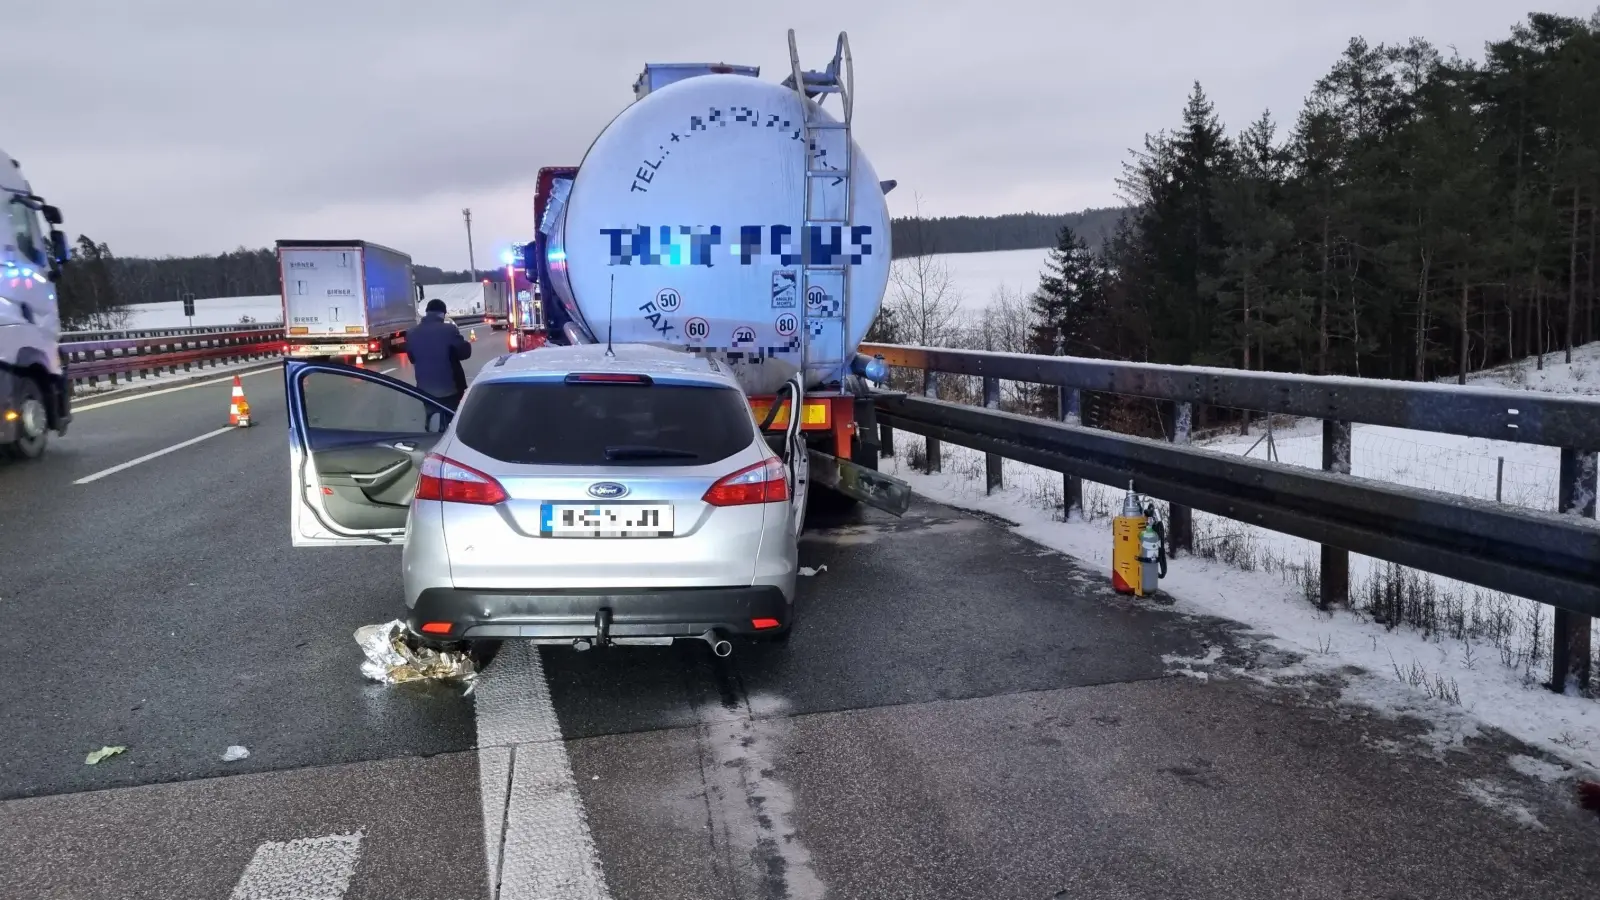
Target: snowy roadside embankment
1452, 654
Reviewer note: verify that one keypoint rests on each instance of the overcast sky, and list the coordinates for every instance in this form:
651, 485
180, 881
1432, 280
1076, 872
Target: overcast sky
196, 126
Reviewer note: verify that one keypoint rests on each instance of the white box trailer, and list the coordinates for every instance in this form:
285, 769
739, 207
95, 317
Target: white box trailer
342, 299
470, 298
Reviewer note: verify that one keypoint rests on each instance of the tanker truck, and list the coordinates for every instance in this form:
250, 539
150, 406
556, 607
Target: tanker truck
35, 395
734, 218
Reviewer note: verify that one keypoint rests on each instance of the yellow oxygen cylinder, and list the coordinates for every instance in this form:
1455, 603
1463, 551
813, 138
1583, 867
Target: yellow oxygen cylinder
1125, 529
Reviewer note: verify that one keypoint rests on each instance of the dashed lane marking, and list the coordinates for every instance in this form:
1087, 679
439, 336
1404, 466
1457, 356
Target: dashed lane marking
149, 456
305, 869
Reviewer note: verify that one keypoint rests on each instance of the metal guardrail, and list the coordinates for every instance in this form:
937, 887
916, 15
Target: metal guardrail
1547, 557
77, 337
142, 353
128, 357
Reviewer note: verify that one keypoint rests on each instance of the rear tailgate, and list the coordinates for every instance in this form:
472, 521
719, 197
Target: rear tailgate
537, 539
606, 486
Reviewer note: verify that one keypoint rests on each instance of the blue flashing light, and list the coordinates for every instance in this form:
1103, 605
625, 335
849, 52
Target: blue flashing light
872, 368
507, 257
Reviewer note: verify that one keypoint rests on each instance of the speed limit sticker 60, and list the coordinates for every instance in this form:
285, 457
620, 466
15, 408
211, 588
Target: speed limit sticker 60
697, 328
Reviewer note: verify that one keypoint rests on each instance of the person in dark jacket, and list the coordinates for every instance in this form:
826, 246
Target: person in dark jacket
437, 350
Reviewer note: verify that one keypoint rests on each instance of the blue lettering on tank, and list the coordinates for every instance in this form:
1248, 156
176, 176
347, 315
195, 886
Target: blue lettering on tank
749, 243
695, 245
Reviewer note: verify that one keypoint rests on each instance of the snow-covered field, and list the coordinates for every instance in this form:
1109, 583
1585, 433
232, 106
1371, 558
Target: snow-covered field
209, 311
977, 276
1479, 657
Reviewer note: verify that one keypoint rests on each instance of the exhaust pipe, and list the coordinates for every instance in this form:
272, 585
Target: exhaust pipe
717, 643
581, 644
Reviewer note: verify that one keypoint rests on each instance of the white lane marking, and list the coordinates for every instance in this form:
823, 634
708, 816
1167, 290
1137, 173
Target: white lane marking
304, 869
182, 387
537, 842
149, 456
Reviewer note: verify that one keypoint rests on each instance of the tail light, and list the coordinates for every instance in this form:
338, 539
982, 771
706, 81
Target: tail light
445, 479
373, 347
765, 482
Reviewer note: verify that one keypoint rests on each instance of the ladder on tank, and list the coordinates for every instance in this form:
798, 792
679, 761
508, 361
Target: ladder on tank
829, 204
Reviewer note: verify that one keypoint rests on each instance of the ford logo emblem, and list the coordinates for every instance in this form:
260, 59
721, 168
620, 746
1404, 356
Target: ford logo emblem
608, 490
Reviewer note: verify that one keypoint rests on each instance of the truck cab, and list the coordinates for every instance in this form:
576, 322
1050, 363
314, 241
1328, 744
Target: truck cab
35, 395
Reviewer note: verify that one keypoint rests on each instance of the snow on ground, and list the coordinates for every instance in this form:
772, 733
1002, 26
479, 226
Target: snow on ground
208, 311
1478, 655
1452, 684
1581, 376
977, 276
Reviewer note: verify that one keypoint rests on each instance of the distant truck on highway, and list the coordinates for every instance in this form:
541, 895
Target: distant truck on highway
470, 298
345, 300
35, 395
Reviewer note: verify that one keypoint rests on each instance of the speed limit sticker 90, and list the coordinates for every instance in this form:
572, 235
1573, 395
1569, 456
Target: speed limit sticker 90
697, 328
787, 324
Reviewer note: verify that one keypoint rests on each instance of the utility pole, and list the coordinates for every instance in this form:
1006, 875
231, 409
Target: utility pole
472, 259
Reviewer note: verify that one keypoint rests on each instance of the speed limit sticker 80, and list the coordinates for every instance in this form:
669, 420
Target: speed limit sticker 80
787, 325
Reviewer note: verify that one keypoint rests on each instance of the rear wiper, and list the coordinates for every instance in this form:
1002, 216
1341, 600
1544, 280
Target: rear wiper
639, 451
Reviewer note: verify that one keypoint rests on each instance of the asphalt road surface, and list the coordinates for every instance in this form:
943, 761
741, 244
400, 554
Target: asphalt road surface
960, 713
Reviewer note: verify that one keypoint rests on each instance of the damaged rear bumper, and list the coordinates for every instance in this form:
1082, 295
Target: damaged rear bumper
599, 615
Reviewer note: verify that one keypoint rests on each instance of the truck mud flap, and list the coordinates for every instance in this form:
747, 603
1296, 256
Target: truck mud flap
869, 486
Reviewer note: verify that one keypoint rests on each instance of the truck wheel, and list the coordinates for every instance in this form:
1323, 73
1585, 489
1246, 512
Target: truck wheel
34, 423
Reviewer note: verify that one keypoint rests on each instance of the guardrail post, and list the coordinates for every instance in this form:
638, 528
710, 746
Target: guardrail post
993, 471
1180, 519
930, 388
1335, 579
1570, 659
1071, 408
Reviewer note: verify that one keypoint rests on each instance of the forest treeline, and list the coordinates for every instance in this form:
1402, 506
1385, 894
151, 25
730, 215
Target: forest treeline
1421, 215
99, 284
1018, 231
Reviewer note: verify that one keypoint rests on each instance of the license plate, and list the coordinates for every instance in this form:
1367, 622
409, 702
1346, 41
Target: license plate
601, 520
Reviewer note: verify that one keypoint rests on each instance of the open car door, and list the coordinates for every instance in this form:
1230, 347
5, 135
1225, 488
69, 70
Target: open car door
357, 440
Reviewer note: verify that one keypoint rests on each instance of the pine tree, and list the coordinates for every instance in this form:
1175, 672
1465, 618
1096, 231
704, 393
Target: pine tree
1070, 301
1249, 284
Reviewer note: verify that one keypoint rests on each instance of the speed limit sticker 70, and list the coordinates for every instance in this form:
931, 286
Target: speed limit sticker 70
697, 329
787, 325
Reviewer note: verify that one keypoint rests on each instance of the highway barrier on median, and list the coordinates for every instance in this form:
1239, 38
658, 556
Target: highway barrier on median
119, 357
122, 359
1552, 558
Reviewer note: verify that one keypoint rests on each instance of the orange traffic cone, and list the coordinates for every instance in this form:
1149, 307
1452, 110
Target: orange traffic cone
239, 409
472, 335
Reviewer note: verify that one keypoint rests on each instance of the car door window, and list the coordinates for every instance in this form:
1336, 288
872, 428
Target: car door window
335, 401
365, 439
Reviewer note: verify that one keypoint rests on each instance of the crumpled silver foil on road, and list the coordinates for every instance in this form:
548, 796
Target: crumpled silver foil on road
393, 657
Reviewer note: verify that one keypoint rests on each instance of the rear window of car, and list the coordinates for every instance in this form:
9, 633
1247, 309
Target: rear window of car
558, 424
